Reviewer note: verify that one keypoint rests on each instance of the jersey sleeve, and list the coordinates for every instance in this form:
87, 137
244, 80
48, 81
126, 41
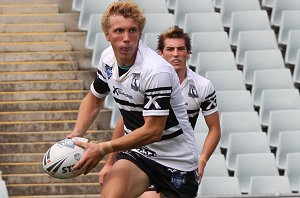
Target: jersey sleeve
99, 87
209, 104
157, 95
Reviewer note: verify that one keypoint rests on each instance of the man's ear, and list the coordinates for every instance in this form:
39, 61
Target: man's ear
160, 53
107, 37
189, 55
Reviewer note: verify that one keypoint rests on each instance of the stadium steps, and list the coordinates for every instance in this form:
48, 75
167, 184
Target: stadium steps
28, 8
45, 71
32, 27
75, 39
83, 57
38, 66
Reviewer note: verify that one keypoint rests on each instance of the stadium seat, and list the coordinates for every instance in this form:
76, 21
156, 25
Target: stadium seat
234, 101
216, 166
200, 138
100, 44
230, 6
288, 143
270, 79
201, 126
282, 120
247, 21
214, 61
89, 7
150, 39
93, 28
171, 5
217, 4
267, 3
76, 5
237, 122
280, 6
219, 186
290, 21
296, 73
153, 6
269, 185
115, 116
277, 99
254, 40
293, 44
190, 6
226, 80
261, 60
203, 22
243, 143
292, 170
155, 24
208, 42
254, 164
109, 101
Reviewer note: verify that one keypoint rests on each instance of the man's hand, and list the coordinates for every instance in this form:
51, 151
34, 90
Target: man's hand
90, 158
106, 168
74, 134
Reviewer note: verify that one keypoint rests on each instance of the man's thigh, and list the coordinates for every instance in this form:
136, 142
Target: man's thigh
124, 179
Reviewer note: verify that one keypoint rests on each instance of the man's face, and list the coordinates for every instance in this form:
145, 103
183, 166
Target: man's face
124, 36
175, 52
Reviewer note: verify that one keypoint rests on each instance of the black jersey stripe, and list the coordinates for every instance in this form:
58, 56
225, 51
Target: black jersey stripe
172, 135
193, 111
132, 119
193, 120
159, 89
126, 103
213, 95
100, 86
172, 120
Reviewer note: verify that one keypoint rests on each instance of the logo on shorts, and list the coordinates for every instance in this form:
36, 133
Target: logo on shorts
178, 179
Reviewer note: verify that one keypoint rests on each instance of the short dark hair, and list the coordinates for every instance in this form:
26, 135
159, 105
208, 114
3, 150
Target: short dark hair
174, 32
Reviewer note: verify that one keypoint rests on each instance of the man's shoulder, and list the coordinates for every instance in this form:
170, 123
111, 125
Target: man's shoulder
199, 80
153, 62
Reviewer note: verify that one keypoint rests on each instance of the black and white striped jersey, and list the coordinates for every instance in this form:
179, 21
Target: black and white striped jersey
199, 95
150, 88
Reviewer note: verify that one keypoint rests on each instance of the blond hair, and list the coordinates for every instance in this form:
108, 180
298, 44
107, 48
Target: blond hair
127, 9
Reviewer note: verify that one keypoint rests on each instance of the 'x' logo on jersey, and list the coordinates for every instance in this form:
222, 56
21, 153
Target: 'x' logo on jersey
152, 100
212, 104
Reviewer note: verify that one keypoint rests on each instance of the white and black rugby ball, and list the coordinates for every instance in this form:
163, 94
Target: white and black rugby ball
62, 156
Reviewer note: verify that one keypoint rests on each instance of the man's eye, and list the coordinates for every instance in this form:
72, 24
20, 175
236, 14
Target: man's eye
118, 31
133, 30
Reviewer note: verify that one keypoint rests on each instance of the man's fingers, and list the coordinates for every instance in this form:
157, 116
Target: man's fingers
81, 144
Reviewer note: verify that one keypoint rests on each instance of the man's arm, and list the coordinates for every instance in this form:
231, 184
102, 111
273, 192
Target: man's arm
211, 141
150, 132
88, 110
118, 132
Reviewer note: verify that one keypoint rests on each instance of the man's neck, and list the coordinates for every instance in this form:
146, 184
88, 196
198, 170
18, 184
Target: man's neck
182, 74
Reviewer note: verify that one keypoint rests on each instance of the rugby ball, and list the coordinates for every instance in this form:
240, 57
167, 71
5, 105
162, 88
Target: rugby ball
62, 156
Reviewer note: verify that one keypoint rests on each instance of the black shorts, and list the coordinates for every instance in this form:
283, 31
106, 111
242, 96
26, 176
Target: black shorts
169, 181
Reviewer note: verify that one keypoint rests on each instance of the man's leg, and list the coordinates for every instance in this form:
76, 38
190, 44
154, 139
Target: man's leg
124, 179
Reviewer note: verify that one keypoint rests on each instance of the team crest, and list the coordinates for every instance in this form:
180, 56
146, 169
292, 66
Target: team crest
192, 90
135, 84
108, 71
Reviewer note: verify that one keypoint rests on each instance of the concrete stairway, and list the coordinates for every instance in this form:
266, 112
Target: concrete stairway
44, 73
